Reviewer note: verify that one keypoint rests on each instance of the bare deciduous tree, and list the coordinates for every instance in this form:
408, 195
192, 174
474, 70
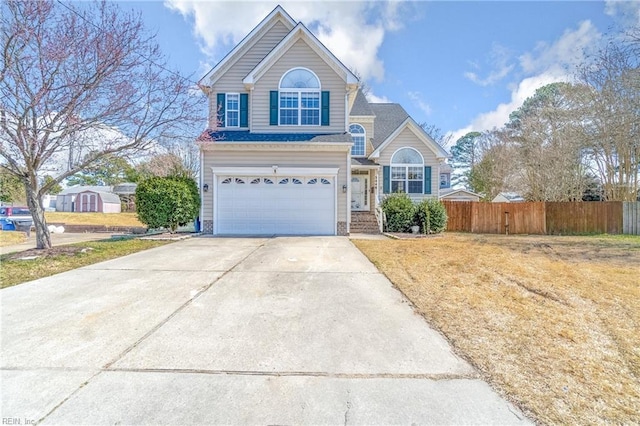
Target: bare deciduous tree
549, 154
81, 82
494, 171
610, 116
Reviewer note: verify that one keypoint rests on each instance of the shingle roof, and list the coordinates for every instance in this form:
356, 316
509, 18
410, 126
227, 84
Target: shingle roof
361, 161
361, 105
388, 118
246, 136
81, 188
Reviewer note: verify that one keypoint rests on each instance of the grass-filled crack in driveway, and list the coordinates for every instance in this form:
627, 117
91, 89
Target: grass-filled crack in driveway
552, 322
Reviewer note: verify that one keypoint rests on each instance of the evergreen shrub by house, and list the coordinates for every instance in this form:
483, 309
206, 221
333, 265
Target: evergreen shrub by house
402, 213
431, 216
167, 202
399, 210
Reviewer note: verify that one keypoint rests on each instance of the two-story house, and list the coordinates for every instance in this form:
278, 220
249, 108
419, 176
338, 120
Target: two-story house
294, 147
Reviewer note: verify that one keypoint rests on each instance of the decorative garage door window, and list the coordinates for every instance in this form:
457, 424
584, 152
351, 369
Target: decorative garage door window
280, 181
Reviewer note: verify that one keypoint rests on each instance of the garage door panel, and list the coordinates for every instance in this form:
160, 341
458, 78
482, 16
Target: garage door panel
290, 205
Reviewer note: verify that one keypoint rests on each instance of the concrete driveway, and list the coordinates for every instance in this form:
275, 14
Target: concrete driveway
232, 331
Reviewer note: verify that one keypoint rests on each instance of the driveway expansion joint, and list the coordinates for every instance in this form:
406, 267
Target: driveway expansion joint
199, 293
419, 376
75, 391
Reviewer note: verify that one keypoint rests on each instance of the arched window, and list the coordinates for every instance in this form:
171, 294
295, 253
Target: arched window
407, 171
299, 98
358, 135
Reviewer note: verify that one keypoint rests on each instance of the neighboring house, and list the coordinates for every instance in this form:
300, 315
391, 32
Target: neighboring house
88, 199
458, 195
293, 145
508, 197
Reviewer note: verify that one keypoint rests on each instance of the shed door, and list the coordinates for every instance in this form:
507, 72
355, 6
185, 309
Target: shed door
286, 205
88, 202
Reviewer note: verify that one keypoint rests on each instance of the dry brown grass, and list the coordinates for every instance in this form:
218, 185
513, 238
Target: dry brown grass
552, 322
107, 219
9, 238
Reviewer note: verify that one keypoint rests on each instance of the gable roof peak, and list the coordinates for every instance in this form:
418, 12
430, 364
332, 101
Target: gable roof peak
360, 105
300, 31
277, 14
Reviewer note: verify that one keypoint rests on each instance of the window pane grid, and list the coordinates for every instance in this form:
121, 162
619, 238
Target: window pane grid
233, 110
409, 179
358, 145
299, 103
310, 116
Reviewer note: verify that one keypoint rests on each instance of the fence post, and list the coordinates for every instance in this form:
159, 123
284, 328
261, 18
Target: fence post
506, 223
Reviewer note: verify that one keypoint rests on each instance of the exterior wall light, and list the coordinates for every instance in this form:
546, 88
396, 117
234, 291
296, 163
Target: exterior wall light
344, 189
205, 187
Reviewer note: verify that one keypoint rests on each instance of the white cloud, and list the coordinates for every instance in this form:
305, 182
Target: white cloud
371, 97
499, 60
353, 31
416, 98
627, 12
565, 53
547, 63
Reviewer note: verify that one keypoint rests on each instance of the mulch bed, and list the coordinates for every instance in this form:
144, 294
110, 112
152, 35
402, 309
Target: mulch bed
410, 236
47, 253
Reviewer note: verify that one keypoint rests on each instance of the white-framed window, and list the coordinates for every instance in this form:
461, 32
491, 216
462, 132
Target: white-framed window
232, 110
358, 135
407, 171
445, 180
299, 98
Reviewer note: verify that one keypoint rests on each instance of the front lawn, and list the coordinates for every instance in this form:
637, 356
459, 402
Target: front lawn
551, 322
64, 258
106, 219
9, 238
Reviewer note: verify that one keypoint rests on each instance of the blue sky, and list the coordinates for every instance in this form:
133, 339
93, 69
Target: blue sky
459, 65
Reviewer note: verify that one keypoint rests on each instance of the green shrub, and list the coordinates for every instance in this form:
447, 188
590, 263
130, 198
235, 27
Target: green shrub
431, 216
399, 210
167, 202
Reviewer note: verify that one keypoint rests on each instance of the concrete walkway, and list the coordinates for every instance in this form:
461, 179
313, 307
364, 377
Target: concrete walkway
232, 331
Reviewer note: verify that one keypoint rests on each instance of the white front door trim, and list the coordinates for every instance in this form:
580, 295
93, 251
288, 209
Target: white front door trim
359, 198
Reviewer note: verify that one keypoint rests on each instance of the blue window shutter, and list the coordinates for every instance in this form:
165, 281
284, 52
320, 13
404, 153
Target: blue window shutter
273, 108
427, 180
324, 121
244, 110
386, 179
220, 109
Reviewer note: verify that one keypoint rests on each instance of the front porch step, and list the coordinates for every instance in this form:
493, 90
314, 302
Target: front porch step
364, 223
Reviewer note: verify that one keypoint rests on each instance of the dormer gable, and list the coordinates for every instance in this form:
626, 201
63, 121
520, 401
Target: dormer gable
411, 125
300, 32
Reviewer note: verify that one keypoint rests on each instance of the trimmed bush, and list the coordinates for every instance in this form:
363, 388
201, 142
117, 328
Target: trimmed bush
431, 216
167, 202
399, 210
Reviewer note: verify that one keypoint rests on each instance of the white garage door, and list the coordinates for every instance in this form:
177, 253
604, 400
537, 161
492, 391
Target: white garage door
286, 205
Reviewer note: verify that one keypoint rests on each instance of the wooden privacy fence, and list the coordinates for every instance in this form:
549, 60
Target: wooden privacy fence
613, 217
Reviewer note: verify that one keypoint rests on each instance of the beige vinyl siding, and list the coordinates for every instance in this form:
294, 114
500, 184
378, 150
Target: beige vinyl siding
407, 138
245, 158
299, 55
231, 81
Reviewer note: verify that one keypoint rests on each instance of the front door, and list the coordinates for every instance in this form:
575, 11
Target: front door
359, 193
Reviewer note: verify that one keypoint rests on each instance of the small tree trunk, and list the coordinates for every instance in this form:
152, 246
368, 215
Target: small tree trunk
43, 237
